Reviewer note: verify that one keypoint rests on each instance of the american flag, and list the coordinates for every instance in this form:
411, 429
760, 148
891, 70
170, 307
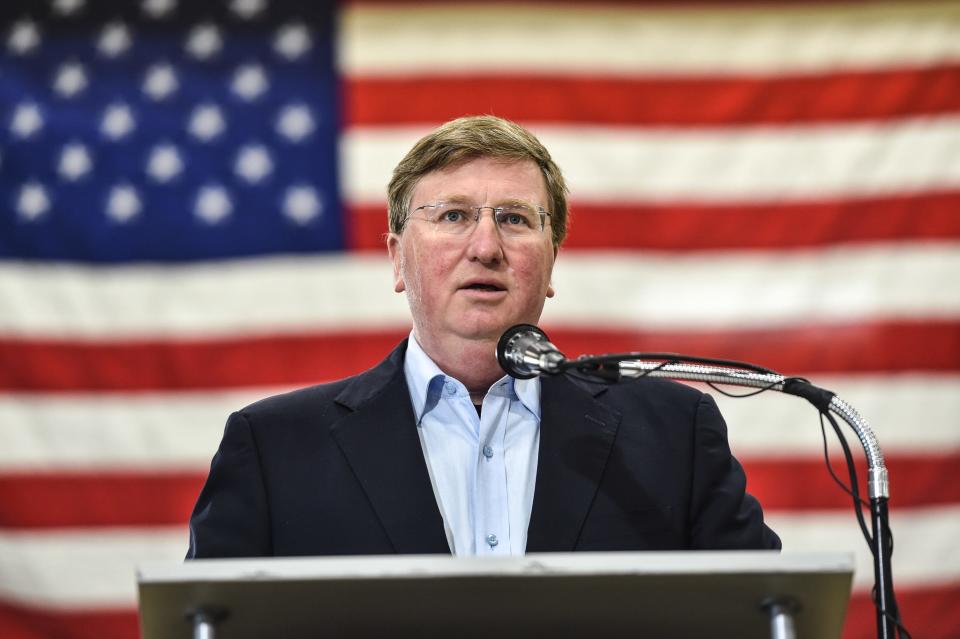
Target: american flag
192, 214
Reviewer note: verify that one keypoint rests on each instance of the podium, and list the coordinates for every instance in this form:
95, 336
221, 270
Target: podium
754, 594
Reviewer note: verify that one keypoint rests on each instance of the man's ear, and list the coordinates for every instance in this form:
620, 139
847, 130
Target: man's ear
393, 250
550, 290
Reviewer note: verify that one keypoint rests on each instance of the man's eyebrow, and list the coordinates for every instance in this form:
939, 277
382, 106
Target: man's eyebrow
463, 199
498, 202
456, 198
512, 201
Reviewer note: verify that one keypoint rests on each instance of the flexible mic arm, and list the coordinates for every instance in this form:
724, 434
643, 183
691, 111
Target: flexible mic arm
525, 351
636, 365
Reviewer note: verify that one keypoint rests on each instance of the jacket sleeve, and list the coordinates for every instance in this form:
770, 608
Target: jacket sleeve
231, 517
723, 515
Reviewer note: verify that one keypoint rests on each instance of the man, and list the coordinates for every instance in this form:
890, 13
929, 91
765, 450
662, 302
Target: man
435, 450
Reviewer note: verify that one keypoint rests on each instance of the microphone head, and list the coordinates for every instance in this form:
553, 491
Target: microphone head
511, 346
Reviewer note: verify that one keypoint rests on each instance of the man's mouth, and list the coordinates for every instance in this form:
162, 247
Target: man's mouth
484, 286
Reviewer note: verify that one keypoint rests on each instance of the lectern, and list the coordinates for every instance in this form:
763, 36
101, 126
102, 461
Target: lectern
740, 595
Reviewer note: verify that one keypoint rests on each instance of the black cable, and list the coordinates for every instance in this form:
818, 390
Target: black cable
893, 613
764, 389
669, 358
854, 490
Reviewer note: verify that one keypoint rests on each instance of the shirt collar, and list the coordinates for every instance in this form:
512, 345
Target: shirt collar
425, 382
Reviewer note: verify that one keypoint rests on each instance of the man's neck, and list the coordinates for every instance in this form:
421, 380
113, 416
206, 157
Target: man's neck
472, 362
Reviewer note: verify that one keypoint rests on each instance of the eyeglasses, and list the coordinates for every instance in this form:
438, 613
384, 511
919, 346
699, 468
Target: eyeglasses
456, 218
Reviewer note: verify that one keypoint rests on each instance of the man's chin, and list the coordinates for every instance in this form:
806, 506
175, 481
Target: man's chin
488, 329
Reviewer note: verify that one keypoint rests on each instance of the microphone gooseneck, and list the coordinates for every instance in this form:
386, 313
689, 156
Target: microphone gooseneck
524, 351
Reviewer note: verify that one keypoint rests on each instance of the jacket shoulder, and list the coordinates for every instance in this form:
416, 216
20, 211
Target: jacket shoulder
328, 400
296, 402
646, 394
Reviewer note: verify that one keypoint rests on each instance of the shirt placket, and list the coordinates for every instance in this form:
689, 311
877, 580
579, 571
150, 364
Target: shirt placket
492, 528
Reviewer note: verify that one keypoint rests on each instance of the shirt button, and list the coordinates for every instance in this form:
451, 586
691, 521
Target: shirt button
488, 451
492, 540
451, 388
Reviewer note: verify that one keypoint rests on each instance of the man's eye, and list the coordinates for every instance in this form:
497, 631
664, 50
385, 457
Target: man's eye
515, 219
454, 215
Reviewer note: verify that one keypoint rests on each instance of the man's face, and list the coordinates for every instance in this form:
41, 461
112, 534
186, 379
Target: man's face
474, 286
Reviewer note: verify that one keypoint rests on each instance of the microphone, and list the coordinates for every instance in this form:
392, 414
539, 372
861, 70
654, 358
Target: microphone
524, 351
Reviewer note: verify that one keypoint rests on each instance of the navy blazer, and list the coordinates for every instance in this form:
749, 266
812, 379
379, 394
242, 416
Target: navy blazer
338, 469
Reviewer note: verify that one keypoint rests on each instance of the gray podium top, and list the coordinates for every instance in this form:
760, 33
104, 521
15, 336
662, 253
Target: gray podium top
659, 594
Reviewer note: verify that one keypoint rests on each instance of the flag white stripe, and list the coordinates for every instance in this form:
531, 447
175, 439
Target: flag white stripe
638, 290
754, 289
226, 298
926, 551
82, 569
91, 569
607, 40
116, 431
728, 164
181, 431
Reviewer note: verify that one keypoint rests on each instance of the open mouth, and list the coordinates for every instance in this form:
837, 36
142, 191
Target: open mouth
479, 286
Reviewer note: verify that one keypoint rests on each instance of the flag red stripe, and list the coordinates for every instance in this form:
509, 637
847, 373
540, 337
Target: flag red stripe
22, 622
929, 612
654, 101
860, 347
805, 484
98, 498
682, 226
47, 500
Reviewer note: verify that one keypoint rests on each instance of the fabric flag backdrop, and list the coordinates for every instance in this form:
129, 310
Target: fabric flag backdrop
192, 210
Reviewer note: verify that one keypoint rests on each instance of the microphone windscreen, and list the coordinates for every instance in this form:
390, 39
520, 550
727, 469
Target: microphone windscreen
511, 346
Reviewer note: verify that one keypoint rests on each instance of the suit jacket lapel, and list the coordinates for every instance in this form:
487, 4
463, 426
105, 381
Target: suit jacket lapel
380, 441
576, 436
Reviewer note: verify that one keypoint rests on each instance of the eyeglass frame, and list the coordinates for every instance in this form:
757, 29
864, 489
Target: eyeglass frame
495, 210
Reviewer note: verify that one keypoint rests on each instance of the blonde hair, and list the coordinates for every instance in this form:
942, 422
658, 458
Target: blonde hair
466, 139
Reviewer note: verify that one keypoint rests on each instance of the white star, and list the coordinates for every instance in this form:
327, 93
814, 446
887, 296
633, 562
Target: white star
206, 122
301, 204
117, 121
247, 9
24, 37
71, 79
249, 81
75, 162
204, 41
123, 203
164, 162
67, 7
253, 163
26, 120
158, 8
213, 204
32, 201
114, 39
160, 81
292, 40
294, 122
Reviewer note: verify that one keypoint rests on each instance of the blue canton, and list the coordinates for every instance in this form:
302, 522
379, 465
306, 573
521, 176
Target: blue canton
167, 131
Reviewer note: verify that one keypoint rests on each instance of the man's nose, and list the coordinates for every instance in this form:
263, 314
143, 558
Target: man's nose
485, 244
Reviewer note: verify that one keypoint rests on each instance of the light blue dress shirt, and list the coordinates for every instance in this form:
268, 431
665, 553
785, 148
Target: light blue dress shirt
483, 470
